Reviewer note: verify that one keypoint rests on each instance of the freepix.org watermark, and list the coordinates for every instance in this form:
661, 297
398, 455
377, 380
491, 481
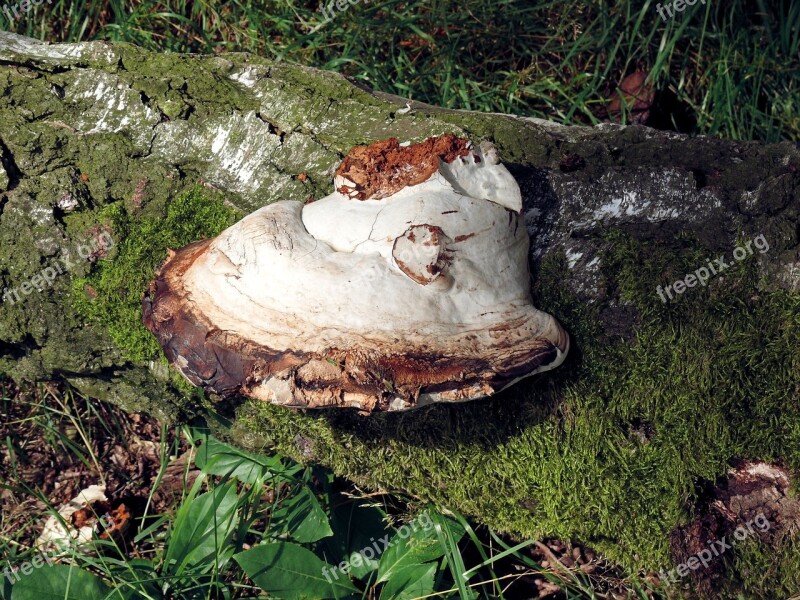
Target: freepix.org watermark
96, 247
676, 5
26, 568
23, 6
329, 10
714, 550
715, 267
377, 548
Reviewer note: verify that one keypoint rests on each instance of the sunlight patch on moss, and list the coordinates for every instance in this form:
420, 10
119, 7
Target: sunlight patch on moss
111, 295
607, 449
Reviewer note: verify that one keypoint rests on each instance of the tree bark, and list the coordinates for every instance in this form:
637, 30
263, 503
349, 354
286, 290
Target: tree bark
84, 127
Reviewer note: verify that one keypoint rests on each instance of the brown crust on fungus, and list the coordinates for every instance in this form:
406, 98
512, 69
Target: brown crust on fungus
385, 167
422, 253
109, 520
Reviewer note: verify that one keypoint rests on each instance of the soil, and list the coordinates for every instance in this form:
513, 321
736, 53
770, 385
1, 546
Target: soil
44, 459
752, 501
37, 469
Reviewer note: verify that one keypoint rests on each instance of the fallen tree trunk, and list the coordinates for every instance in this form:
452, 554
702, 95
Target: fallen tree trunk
672, 262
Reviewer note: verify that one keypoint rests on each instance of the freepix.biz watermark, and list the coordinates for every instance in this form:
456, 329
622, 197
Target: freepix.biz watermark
715, 267
377, 548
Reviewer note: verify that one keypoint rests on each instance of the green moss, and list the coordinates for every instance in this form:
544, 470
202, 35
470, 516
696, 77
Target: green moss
608, 448
193, 82
111, 294
766, 572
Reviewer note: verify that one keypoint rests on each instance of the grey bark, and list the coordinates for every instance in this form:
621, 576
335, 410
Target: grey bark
84, 125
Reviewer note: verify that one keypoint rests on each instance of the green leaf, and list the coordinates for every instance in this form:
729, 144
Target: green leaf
356, 527
414, 543
287, 570
217, 458
409, 582
203, 527
301, 517
141, 577
5, 589
449, 532
61, 582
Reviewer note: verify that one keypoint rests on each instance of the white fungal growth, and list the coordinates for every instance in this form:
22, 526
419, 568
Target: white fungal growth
389, 301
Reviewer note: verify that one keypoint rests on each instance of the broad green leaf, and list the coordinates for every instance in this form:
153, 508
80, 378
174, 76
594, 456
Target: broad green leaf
203, 527
357, 529
217, 458
62, 582
415, 543
287, 570
409, 582
301, 517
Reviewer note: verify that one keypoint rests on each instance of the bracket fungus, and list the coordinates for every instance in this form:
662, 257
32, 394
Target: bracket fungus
409, 284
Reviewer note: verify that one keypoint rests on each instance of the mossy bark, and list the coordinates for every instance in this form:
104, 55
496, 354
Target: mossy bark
609, 449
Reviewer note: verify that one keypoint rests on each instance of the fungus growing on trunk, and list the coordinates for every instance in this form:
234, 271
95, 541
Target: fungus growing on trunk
407, 285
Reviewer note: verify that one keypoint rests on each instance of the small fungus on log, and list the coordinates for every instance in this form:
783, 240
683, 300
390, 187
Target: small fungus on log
407, 285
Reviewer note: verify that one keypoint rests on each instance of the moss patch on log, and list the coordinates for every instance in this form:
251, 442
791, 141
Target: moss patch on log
611, 448
111, 295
